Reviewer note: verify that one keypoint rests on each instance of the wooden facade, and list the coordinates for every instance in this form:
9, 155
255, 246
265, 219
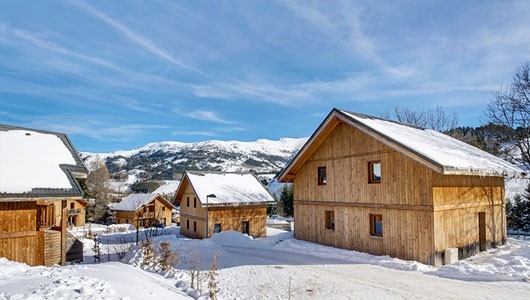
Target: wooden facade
156, 211
34, 219
248, 218
419, 211
23, 239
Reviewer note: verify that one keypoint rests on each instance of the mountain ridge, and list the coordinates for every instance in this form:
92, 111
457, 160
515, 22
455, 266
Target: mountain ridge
168, 159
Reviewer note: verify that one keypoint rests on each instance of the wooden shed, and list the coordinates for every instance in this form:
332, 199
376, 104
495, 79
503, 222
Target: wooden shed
223, 201
143, 210
37, 184
385, 188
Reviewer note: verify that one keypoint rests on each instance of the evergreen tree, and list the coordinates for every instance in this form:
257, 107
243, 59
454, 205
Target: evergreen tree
518, 212
286, 201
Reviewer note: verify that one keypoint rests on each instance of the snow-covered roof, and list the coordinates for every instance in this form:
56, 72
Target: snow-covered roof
134, 201
169, 187
228, 188
436, 150
38, 163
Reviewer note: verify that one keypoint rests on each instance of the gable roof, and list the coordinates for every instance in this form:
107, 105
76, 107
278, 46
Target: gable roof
230, 189
134, 201
437, 151
38, 164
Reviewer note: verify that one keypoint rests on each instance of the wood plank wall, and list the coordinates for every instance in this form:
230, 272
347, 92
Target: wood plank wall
231, 218
19, 240
407, 198
52, 247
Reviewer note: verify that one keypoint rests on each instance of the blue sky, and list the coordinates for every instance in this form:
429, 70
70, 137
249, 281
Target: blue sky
115, 75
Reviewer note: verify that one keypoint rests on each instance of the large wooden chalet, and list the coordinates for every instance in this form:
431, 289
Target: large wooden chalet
143, 210
224, 201
385, 188
39, 195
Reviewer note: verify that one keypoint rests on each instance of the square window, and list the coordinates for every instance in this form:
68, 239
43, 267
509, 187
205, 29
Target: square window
217, 228
330, 219
322, 179
374, 172
376, 225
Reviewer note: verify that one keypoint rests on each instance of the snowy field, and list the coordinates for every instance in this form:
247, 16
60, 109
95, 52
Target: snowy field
276, 267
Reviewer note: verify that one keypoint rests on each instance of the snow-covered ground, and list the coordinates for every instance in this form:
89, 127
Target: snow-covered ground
276, 267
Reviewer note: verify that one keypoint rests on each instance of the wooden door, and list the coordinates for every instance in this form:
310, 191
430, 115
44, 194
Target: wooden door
482, 230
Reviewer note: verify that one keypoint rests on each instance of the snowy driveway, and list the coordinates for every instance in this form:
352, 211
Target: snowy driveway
267, 273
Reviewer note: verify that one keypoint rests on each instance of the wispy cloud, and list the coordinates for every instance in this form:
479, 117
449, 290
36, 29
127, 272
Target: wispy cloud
132, 36
194, 133
210, 116
253, 91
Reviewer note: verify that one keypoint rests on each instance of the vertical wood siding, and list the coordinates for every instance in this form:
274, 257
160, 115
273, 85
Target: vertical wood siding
423, 212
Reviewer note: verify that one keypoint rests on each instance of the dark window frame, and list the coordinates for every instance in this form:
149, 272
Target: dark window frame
376, 225
372, 177
329, 219
217, 228
322, 175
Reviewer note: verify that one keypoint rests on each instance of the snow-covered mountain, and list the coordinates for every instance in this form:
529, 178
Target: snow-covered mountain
167, 160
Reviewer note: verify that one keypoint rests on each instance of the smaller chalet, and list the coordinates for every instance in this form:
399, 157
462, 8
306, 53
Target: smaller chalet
144, 210
223, 201
39, 196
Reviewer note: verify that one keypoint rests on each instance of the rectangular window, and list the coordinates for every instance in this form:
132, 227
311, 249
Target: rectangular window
187, 224
217, 228
374, 172
188, 202
245, 227
194, 202
194, 225
322, 179
376, 225
330, 219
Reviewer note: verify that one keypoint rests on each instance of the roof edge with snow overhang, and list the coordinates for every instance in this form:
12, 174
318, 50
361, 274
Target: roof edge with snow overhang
437, 151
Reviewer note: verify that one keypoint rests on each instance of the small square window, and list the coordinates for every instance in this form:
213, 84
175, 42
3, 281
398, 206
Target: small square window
376, 225
374, 172
330, 219
217, 228
322, 179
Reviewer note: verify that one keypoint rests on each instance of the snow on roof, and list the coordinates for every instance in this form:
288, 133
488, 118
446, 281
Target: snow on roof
31, 160
169, 187
134, 201
454, 156
229, 188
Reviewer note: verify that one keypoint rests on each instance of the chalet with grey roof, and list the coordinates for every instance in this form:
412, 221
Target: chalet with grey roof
39, 194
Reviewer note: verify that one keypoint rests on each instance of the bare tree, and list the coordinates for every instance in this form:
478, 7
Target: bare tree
436, 118
98, 185
510, 109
